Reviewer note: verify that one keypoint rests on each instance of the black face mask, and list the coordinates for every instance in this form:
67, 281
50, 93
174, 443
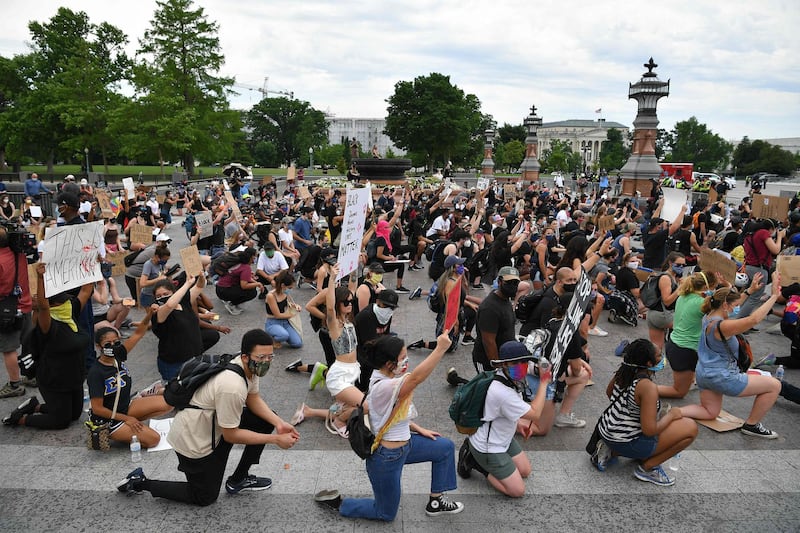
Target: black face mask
116, 350
508, 289
570, 287
161, 300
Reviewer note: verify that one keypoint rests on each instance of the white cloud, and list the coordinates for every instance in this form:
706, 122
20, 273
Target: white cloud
733, 65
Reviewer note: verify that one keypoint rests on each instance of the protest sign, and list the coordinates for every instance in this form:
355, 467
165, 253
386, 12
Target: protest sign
712, 195
190, 257
483, 184
765, 206
789, 269
36, 211
231, 202
266, 180
509, 191
141, 233
204, 226
130, 188
605, 223
104, 202
673, 200
117, 260
577, 306
303, 193
712, 261
453, 305
355, 215
290, 173
70, 253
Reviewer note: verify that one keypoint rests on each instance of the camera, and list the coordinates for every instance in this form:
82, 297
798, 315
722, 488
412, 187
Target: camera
20, 241
105, 269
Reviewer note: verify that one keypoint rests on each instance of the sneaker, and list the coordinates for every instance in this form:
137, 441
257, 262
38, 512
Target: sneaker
758, 430
463, 466
130, 485
767, 360
468, 340
28, 407
568, 421
416, 345
317, 376
477, 286
656, 476
597, 332
30, 382
11, 391
454, 379
249, 483
415, 294
329, 498
262, 295
155, 388
294, 365
602, 457
127, 323
442, 505
232, 309
401, 290
416, 267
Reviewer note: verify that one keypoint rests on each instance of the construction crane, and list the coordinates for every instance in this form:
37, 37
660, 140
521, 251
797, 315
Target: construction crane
264, 89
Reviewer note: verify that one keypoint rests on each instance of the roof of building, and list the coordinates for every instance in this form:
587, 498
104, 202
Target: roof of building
578, 123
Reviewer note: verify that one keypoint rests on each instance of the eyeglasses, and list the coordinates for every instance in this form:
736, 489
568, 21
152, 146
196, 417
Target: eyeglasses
261, 357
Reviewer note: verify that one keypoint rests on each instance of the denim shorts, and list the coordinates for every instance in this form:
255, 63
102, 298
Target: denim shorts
500, 465
728, 383
641, 447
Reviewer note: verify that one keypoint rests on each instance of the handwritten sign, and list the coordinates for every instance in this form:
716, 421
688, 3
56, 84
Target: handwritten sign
355, 215
483, 184
290, 173
205, 228
765, 206
141, 233
303, 193
130, 188
509, 191
789, 269
70, 256
605, 223
231, 202
36, 211
711, 261
104, 202
190, 257
117, 260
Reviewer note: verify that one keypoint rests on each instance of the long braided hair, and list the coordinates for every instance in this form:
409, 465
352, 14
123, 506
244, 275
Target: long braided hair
635, 359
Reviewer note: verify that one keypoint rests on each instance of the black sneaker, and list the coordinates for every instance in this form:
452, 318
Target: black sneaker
454, 379
329, 498
293, 366
463, 466
28, 407
416, 294
401, 290
478, 286
262, 295
441, 505
416, 345
249, 483
468, 340
758, 430
130, 485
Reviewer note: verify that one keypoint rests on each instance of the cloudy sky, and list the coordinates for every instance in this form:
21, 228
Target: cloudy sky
733, 64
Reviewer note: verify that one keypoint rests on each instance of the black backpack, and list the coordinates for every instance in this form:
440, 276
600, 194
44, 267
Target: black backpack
223, 263
528, 303
193, 374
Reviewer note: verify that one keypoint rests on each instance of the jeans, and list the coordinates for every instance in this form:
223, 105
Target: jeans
282, 331
168, 370
385, 467
754, 300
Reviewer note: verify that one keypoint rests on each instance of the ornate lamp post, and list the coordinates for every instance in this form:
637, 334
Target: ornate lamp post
86, 153
311, 159
487, 165
530, 165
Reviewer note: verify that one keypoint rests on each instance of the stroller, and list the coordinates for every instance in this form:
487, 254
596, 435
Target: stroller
622, 307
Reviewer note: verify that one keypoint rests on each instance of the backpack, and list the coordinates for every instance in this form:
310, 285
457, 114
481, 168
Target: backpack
528, 303
650, 293
466, 409
131, 257
193, 374
434, 299
680, 241
478, 264
223, 263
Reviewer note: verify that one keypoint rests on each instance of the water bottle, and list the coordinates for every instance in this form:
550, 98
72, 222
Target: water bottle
136, 450
779, 373
85, 399
544, 365
551, 391
673, 464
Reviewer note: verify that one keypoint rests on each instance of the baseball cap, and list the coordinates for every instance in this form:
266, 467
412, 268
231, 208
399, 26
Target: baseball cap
287, 220
69, 199
508, 273
453, 260
388, 297
512, 352
328, 254
376, 268
163, 237
84, 181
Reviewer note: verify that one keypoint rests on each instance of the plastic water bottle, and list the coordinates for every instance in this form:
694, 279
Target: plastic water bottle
544, 365
85, 399
779, 373
551, 391
673, 464
136, 450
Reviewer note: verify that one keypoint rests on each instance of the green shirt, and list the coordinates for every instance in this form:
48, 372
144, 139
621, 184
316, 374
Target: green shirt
687, 321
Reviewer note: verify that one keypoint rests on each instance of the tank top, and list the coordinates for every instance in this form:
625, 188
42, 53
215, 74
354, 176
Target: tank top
622, 421
281, 305
346, 342
111, 236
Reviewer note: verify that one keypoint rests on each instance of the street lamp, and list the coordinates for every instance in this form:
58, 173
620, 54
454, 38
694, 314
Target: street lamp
311, 158
586, 149
86, 151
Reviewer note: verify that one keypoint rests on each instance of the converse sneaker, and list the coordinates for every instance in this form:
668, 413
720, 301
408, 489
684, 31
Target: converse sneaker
28, 407
10, 391
131, 483
758, 430
317, 375
464, 466
232, 309
329, 498
401, 290
416, 293
569, 421
294, 365
440, 505
416, 345
468, 340
249, 483
655, 475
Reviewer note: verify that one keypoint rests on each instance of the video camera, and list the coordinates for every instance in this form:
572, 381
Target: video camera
20, 241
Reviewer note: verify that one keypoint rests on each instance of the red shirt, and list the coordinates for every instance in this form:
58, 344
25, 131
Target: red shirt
234, 276
7, 278
756, 252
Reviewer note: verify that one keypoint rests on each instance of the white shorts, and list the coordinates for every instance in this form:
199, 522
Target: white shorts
342, 375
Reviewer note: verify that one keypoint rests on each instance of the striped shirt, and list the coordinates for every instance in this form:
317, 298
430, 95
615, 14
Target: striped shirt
621, 422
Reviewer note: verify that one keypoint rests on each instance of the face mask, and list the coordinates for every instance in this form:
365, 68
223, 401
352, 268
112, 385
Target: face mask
376, 278
468, 243
116, 350
161, 300
678, 269
570, 287
659, 366
259, 369
735, 311
401, 368
271, 254
633, 265
459, 269
383, 314
517, 372
550, 237
508, 289
5, 200
162, 263
708, 292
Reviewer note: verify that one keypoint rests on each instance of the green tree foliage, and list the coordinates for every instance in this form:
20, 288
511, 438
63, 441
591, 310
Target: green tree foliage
560, 157
291, 125
182, 49
508, 133
265, 154
432, 116
761, 156
613, 153
12, 89
693, 142
513, 154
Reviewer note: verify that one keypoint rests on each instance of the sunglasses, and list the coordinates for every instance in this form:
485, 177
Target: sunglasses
347, 302
112, 344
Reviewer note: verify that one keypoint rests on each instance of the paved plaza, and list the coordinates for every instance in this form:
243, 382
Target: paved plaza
49, 481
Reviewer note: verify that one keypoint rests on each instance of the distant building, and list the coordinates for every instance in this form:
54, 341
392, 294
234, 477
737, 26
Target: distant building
790, 144
367, 131
585, 136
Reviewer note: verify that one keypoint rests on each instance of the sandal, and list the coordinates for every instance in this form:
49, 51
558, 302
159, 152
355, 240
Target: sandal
298, 415
333, 429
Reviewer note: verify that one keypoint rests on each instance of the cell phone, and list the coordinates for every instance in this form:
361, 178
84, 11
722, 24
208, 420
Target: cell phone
105, 269
128, 302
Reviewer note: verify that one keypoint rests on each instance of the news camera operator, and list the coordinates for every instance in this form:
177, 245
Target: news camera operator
14, 279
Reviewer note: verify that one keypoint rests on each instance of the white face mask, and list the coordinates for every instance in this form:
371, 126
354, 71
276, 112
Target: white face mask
468, 243
383, 314
633, 265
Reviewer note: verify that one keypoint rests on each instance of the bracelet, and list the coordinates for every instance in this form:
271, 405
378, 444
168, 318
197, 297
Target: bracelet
747, 293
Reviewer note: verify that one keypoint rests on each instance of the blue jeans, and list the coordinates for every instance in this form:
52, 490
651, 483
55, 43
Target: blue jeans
282, 331
168, 370
385, 467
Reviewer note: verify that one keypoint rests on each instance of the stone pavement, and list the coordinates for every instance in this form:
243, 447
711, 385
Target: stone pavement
725, 481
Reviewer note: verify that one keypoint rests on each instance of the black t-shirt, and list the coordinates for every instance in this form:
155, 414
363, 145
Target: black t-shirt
62, 366
102, 382
626, 280
368, 328
655, 248
542, 313
329, 213
495, 315
179, 335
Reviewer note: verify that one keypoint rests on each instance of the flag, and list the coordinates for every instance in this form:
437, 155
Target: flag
115, 206
598, 110
453, 305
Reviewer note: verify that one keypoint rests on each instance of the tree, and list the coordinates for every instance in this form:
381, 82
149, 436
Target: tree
693, 142
514, 153
613, 153
560, 157
291, 125
757, 156
431, 116
182, 50
508, 133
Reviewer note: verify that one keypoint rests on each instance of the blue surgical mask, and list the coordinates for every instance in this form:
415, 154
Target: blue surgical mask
162, 263
735, 312
659, 366
708, 293
459, 269
678, 269
287, 291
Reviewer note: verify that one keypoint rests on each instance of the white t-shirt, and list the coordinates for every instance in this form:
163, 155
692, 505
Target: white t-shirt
272, 265
286, 238
563, 218
504, 407
440, 223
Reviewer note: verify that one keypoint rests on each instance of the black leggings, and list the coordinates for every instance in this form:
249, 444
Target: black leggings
235, 295
58, 410
204, 475
131, 283
399, 267
327, 347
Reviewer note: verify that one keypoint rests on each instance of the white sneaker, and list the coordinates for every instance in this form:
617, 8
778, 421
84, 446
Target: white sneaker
232, 309
597, 332
568, 421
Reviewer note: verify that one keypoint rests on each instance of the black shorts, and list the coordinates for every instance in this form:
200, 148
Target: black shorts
681, 359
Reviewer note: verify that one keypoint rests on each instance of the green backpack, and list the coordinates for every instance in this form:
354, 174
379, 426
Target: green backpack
466, 409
